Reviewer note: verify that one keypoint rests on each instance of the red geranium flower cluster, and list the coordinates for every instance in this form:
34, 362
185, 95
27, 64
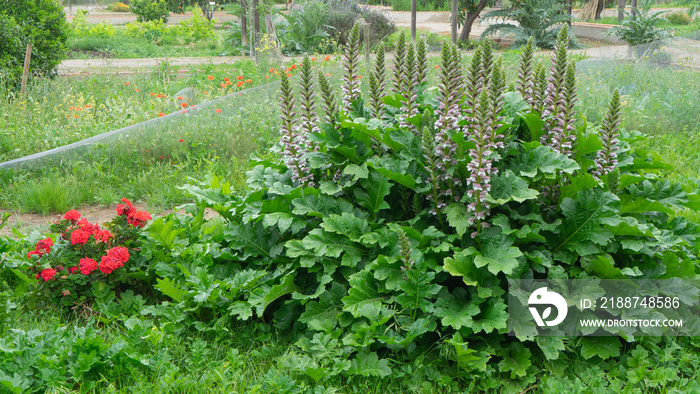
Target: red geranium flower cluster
133, 217
114, 259
42, 247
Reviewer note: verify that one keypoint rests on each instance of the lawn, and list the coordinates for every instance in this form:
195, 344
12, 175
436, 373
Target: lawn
216, 314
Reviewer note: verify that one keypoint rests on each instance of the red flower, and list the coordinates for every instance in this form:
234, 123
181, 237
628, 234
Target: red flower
44, 246
120, 253
226, 79
47, 274
109, 264
181, 140
184, 105
293, 66
222, 85
179, 97
87, 226
128, 83
289, 75
240, 77
125, 210
87, 266
72, 215
103, 236
327, 58
114, 259
218, 111
137, 90
74, 270
211, 77
248, 81
33, 253
79, 237
161, 114
139, 218
239, 84
313, 59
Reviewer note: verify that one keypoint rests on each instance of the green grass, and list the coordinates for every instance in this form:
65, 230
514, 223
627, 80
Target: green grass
122, 46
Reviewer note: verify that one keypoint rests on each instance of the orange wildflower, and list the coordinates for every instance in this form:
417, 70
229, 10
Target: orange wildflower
137, 90
248, 81
327, 58
226, 79
161, 114
210, 77
218, 111
239, 84
240, 77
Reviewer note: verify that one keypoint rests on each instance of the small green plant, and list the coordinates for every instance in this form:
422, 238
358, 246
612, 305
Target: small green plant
198, 27
642, 29
150, 10
678, 18
80, 28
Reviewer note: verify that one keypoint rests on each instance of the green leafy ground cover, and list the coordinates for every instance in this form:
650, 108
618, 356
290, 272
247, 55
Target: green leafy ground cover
323, 288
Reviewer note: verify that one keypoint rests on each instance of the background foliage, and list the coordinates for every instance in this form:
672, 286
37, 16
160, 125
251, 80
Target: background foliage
41, 23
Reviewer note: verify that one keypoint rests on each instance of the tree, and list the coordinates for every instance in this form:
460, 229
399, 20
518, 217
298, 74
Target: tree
473, 9
41, 23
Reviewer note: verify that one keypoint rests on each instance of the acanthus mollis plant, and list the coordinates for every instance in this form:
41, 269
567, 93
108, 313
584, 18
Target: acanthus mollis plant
559, 100
351, 64
367, 282
377, 84
293, 139
606, 159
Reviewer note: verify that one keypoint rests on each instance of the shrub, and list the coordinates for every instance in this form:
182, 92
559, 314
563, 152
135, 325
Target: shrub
318, 20
539, 19
81, 254
80, 28
198, 27
642, 29
678, 18
388, 229
119, 7
150, 10
41, 23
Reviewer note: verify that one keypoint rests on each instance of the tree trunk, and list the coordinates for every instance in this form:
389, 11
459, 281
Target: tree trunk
244, 27
467, 27
621, 10
413, 20
469, 21
256, 20
455, 10
633, 3
600, 6
570, 10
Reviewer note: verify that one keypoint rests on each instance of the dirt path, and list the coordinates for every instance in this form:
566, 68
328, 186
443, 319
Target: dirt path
26, 223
